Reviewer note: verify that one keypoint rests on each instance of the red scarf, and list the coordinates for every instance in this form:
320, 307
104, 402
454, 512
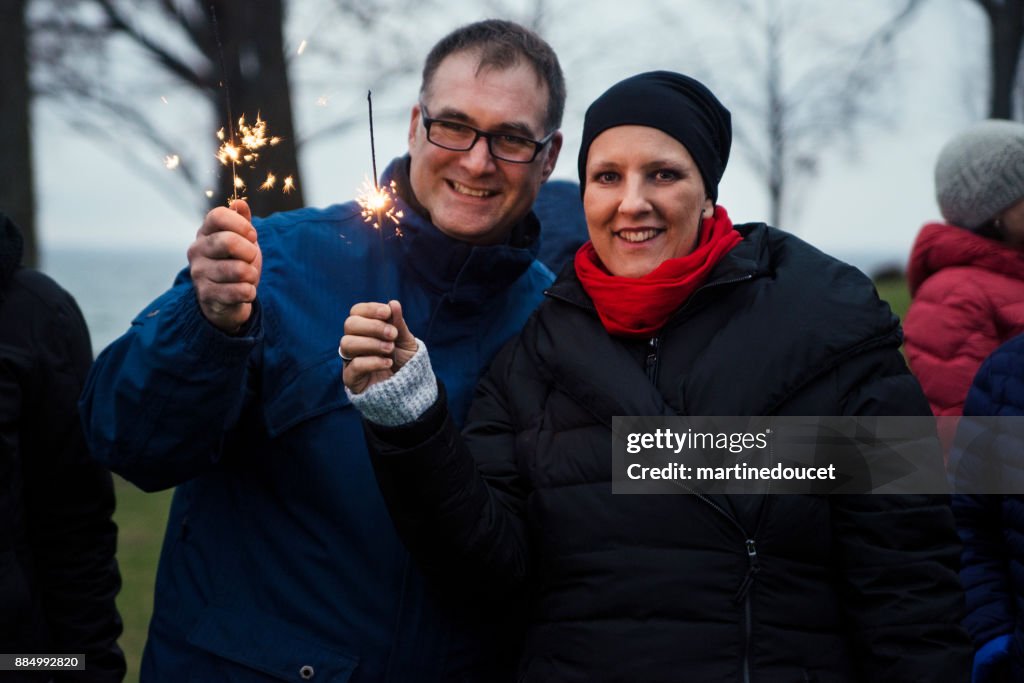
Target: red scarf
640, 306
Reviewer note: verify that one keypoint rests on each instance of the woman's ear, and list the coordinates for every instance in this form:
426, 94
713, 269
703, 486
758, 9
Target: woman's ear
709, 208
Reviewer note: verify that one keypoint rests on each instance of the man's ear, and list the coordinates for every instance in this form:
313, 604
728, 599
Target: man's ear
551, 156
414, 121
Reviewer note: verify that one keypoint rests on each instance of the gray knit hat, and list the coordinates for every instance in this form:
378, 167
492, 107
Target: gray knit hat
980, 172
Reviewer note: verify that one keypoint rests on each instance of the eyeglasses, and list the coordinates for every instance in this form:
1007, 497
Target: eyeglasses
459, 137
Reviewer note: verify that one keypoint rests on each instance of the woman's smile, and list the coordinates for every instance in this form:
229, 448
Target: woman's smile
638, 235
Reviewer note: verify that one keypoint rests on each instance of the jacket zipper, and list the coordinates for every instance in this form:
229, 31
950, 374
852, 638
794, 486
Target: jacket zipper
652, 359
743, 593
655, 341
752, 571
754, 565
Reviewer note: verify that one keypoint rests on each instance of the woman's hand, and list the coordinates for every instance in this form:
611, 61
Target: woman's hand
377, 343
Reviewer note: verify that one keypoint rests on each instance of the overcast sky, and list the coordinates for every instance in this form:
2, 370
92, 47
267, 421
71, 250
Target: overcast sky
871, 196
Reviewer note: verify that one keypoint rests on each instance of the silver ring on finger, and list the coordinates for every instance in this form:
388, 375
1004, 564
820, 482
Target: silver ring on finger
344, 359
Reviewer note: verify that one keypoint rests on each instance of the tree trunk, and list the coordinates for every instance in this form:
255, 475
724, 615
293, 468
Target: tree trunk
1006, 22
17, 192
776, 120
257, 83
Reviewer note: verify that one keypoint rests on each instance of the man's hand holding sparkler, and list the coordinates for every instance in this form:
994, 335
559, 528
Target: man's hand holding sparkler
225, 263
377, 343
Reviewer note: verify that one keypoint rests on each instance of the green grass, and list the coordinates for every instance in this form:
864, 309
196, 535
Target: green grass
894, 290
141, 518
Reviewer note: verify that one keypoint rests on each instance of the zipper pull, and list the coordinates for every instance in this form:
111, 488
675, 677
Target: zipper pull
652, 358
752, 570
755, 566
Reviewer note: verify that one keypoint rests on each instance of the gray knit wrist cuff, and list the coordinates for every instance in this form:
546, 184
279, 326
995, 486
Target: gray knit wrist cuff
404, 397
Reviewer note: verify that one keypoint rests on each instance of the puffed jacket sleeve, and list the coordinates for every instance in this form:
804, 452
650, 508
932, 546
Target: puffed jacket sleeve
950, 330
897, 555
69, 500
162, 399
464, 520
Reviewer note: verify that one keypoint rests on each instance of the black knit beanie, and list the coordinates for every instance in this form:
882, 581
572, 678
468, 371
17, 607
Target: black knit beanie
674, 104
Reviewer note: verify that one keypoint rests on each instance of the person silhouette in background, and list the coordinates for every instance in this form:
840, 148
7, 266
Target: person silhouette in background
58, 573
991, 526
966, 276
560, 210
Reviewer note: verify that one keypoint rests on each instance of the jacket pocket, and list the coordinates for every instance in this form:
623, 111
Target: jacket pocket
312, 391
262, 643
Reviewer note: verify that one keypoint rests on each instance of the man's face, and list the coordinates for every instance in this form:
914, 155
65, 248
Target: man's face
472, 196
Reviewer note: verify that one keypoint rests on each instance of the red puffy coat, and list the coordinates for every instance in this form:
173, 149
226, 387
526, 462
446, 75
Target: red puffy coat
968, 298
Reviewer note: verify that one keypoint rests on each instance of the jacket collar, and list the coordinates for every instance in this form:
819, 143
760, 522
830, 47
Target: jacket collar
466, 273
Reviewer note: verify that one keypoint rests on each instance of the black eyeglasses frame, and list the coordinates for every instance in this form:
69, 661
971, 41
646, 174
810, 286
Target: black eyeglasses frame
538, 145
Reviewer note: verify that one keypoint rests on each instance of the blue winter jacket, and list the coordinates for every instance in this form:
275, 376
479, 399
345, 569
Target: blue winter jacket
992, 526
280, 561
560, 210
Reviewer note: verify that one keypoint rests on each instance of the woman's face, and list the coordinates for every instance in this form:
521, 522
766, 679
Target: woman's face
644, 199
1013, 224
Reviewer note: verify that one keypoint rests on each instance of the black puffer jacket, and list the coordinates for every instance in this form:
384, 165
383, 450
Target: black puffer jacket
671, 588
58, 576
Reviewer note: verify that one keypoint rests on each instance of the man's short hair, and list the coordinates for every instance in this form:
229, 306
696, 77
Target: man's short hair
501, 45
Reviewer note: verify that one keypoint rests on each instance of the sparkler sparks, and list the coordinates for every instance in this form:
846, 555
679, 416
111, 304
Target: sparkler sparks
302, 47
243, 146
377, 203
171, 161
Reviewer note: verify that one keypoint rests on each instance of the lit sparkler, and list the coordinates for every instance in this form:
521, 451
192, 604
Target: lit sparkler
376, 202
172, 161
243, 147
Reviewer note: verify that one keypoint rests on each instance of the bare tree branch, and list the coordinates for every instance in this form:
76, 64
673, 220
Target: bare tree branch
786, 112
171, 63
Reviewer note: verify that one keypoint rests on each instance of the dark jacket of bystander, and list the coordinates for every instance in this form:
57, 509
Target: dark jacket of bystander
58, 575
